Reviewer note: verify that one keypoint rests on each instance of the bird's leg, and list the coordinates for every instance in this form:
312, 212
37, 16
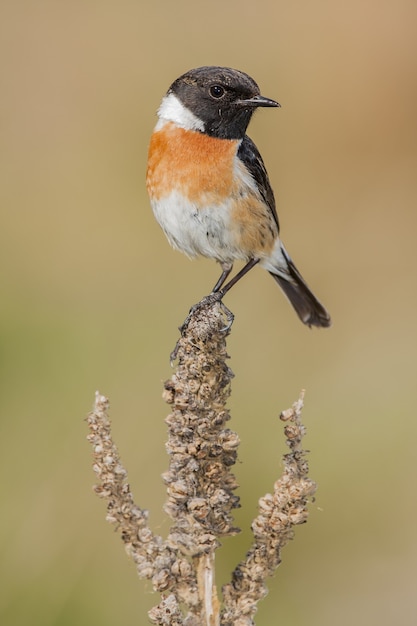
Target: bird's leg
218, 292
239, 275
227, 268
216, 296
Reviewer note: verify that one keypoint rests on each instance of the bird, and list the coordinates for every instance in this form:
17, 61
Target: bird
209, 188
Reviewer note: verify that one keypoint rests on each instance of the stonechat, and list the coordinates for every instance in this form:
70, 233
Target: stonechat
209, 188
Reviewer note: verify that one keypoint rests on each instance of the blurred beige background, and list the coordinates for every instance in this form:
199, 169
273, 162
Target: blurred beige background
92, 296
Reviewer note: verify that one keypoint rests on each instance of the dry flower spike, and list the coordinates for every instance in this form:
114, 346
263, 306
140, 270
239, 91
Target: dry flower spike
200, 489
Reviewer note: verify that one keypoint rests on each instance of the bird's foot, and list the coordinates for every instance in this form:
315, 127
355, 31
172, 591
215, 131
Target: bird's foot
205, 303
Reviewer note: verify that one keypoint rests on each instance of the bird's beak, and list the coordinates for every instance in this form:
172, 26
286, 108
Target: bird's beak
258, 101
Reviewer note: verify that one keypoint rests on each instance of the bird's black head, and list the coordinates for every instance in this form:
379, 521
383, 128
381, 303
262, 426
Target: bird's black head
221, 98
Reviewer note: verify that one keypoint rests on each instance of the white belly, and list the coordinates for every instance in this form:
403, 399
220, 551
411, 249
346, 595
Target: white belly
195, 231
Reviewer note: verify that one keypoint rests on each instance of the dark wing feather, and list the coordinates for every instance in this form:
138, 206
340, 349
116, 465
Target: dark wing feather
248, 153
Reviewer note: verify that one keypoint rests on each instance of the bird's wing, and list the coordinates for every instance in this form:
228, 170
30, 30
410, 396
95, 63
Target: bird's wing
248, 153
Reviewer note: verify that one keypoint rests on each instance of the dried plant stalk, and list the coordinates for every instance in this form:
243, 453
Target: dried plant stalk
273, 527
200, 488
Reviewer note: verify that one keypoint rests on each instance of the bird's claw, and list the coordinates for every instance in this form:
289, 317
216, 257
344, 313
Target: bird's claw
207, 301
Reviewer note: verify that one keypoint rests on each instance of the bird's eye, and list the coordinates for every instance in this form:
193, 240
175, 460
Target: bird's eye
217, 91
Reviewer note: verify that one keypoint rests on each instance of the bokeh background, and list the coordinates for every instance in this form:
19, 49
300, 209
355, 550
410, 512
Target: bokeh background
92, 296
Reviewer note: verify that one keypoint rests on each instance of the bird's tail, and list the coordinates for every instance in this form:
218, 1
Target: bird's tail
308, 308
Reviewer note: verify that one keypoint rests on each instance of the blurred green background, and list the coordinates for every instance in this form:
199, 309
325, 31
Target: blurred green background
92, 296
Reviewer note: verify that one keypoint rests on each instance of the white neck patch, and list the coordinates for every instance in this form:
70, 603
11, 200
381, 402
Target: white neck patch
173, 110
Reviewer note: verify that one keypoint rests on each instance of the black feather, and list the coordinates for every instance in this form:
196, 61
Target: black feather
308, 308
248, 153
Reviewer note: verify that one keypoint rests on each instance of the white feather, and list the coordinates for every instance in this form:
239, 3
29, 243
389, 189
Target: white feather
196, 231
276, 263
172, 110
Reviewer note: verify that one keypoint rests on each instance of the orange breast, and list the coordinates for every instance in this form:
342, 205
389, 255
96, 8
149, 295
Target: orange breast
198, 165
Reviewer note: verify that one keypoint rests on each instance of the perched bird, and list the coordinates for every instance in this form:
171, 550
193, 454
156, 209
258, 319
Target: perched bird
208, 185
